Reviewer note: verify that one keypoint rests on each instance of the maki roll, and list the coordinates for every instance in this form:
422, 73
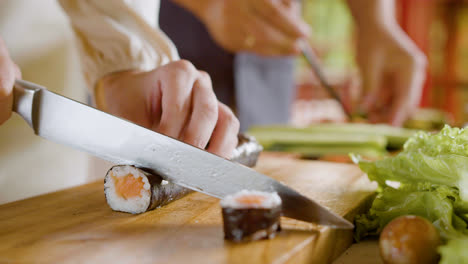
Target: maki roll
132, 190
247, 151
251, 215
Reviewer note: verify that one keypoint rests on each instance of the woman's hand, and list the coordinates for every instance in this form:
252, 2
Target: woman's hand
8, 73
265, 27
176, 100
392, 67
393, 72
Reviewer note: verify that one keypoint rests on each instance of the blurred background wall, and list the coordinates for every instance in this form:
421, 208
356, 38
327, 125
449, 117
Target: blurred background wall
40, 41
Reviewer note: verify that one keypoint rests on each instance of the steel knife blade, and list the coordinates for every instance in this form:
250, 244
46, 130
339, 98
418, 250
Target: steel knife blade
82, 127
313, 62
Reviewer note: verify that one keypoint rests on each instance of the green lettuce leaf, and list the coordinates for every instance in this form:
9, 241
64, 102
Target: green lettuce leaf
454, 252
438, 204
435, 158
429, 178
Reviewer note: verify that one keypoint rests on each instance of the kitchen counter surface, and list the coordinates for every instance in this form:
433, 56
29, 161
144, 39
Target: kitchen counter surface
76, 225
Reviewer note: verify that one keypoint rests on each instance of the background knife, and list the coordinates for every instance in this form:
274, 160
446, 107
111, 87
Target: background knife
71, 123
314, 64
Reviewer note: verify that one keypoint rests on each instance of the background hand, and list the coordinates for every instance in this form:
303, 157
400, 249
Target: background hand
392, 67
393, 73
265, 27
175, 99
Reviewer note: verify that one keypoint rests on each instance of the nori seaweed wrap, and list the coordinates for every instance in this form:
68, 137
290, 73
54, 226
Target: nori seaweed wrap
251, 215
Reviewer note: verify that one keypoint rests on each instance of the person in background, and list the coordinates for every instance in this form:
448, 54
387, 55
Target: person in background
392, 67
115, 36
246, 45
134, 71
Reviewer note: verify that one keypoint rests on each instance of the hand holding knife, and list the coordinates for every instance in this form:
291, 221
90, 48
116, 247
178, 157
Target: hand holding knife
67, 122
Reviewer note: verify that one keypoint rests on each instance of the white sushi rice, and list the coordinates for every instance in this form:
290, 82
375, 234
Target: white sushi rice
271, 200
134, 205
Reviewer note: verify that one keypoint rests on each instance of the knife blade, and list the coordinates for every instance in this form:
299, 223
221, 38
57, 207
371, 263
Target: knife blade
313, 62
82, 127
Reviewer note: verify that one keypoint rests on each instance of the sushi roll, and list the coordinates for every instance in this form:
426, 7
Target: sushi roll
247, 151
251, 215
132, 190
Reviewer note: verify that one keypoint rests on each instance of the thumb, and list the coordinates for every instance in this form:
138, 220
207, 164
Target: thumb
17, 70
368, 103
371, 67
371, 74
7, 80
8, 72
411, 83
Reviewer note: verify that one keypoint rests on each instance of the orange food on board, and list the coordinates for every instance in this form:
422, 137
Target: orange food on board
251, 199
128, 186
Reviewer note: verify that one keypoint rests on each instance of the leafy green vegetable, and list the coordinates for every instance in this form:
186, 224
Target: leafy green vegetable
438, 204
311, 151
335, 139
318, 143
454, 252
431, 174
435, 158
395, 137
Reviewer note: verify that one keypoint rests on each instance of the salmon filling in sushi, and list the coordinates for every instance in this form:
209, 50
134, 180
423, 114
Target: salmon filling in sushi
127, 189
129, 186
251, 215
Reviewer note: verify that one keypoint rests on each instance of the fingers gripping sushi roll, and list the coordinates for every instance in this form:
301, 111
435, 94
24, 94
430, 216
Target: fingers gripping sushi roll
251, 215
132, 190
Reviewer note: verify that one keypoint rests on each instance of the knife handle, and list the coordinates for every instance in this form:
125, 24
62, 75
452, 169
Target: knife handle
24, 96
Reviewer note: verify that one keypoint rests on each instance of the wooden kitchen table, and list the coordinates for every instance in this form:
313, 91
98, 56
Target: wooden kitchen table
77, 226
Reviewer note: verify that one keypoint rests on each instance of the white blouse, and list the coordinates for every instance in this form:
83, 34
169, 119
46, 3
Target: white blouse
116, 35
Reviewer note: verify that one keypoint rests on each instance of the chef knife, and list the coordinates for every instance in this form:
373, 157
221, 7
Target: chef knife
313, 62
71, 123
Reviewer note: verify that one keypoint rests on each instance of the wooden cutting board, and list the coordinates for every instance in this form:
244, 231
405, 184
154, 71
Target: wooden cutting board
77, 226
